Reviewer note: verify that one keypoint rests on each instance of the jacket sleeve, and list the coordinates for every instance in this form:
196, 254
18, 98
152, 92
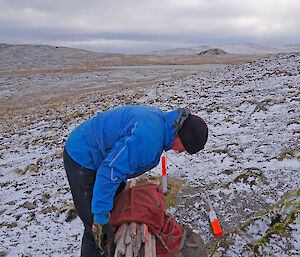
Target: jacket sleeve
139, 151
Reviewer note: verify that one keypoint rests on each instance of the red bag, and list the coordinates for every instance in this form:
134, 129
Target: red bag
171, 239
145, 204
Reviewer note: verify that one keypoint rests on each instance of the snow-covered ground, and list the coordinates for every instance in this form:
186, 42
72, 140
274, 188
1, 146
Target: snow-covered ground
250, 163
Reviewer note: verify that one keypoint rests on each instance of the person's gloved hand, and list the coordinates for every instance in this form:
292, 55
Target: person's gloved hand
103, 235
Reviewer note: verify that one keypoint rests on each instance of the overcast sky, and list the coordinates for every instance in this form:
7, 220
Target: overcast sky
137, 26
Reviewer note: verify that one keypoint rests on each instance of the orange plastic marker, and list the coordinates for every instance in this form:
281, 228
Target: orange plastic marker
213, 218
163, 162
164, 174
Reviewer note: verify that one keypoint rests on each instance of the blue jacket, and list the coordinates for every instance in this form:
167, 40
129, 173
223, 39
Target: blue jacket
119, 144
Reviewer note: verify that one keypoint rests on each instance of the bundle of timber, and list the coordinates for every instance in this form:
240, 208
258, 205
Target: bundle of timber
134, 240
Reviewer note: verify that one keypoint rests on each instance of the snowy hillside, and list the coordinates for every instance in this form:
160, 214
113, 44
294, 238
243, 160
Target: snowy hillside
250, 165
20, 57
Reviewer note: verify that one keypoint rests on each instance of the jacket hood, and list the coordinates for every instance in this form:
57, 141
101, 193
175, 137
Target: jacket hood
173, 122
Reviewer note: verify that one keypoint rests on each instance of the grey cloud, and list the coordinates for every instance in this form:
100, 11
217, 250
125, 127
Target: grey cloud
149, 22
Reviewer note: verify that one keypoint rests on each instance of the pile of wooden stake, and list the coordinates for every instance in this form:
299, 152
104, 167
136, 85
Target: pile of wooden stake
134, 240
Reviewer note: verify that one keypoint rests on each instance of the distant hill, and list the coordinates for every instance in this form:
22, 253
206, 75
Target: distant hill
56, 53
27, 56
243, 49
11, 52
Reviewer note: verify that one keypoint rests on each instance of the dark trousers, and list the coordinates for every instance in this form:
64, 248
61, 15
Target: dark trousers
81, 181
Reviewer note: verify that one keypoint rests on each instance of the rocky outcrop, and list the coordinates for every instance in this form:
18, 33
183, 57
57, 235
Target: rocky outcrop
213, 51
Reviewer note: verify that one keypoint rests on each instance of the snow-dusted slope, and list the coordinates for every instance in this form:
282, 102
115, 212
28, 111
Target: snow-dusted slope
19, 57
250, 162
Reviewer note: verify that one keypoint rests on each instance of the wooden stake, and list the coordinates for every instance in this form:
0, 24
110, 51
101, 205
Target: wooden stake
153, 241
138, 242
129, 251
145, 233
148, 247
121, 246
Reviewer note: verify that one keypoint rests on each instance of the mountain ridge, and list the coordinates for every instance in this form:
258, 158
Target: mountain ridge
234, 49
244, 49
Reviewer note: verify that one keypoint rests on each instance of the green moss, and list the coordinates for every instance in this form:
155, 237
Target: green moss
245, 176
285, 155
226, 185
227, 172
290, 154
214, 252
220, 151
281, 224
8, 225
253, 169
268, 100
247, 101
277, 228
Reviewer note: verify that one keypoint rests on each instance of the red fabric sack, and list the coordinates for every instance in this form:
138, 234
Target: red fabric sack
145, 204
142, 203
171, 239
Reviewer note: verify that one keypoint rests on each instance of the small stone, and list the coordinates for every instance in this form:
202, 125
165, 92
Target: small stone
28, 205
18, 171
48, 209
11, 203
72, 214
45, 198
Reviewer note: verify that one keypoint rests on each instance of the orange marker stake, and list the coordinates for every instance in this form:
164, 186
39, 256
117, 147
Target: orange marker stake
164, 174
213, 218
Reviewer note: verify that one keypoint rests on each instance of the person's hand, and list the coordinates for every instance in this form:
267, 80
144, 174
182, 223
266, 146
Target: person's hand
103, 235
97, 232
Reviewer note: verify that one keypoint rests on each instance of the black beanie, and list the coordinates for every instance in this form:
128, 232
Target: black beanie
193, 134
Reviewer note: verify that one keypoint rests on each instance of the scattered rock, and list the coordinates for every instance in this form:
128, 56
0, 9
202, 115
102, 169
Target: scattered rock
32, 168
3, 254
48, 209
28, 205
72, 214
45, 198
18, 171
10, 203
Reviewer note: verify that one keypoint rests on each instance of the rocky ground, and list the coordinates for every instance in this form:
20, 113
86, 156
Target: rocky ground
250, 166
